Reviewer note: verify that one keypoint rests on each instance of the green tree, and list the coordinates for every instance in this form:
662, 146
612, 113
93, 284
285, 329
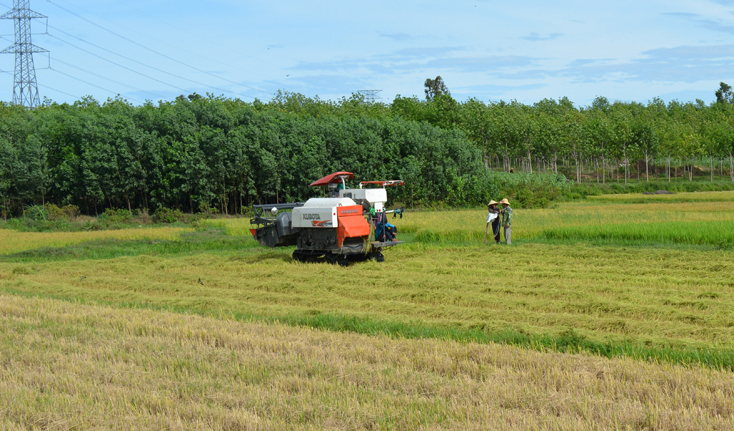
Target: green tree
724, 94
434, 88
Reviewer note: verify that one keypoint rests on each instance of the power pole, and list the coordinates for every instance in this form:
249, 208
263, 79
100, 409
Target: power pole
370, 95
25, 87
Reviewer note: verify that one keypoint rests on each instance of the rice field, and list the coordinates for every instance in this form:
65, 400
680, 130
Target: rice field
15, 242
603, 315
467, 226
717, 233
665, 300
675, 220
726, 196
231, 227
69, 366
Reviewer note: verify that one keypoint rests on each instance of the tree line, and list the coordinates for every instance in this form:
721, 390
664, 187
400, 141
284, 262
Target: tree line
602, 142
606, 141
196, 153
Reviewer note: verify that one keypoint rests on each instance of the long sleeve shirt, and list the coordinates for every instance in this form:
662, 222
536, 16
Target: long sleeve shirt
507, 216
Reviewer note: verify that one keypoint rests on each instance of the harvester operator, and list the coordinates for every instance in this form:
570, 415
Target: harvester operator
507, 220
384, 231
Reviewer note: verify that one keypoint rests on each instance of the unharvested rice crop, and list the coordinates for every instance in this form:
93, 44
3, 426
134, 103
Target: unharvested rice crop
15, 242
727, 196
231, 226
719, 233
464, 226
71, 366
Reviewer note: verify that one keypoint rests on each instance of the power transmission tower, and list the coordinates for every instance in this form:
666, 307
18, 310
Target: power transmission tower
370, 95
25, 87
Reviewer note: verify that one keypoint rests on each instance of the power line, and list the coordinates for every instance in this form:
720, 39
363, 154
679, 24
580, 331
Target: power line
186, 31
93, 85
59, 91
83, 81
118, 64
137, 62
104, 77
154, 51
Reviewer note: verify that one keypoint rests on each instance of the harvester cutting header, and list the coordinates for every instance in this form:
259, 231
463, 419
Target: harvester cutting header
349, 224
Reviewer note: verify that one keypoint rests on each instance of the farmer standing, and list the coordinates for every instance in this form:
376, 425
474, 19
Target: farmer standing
507, 220
494, 218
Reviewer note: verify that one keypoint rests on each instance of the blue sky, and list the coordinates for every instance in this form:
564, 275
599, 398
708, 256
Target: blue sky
488, 49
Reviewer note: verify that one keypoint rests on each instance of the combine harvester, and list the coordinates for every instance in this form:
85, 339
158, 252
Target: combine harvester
339, 228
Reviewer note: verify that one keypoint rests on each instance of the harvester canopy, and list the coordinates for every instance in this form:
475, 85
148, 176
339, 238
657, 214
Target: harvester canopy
335, 178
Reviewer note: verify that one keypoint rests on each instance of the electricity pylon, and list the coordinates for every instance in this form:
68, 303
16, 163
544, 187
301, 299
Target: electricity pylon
25, 87
370, 95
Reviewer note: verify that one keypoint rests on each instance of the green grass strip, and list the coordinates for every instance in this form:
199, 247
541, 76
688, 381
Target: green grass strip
717, 233
567, 342
206, 241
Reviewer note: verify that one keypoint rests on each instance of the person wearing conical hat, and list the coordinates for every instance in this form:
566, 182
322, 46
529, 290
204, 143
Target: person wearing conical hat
507, 220
494, 218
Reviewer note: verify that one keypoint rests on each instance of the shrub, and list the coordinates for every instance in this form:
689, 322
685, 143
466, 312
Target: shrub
525, 198
115, 216
143, 216
67, 213
525, 189
167, 215
35, 213
90, 225
207, 209
71, 211
593, 191
54, 212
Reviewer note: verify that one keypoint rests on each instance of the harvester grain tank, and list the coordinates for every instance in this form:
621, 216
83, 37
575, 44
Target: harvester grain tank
337, 228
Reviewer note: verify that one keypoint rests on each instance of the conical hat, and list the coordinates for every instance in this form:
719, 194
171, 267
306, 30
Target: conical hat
505, 201
492, 203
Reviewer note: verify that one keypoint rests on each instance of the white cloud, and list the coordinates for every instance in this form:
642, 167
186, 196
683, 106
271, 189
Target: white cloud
535, 37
